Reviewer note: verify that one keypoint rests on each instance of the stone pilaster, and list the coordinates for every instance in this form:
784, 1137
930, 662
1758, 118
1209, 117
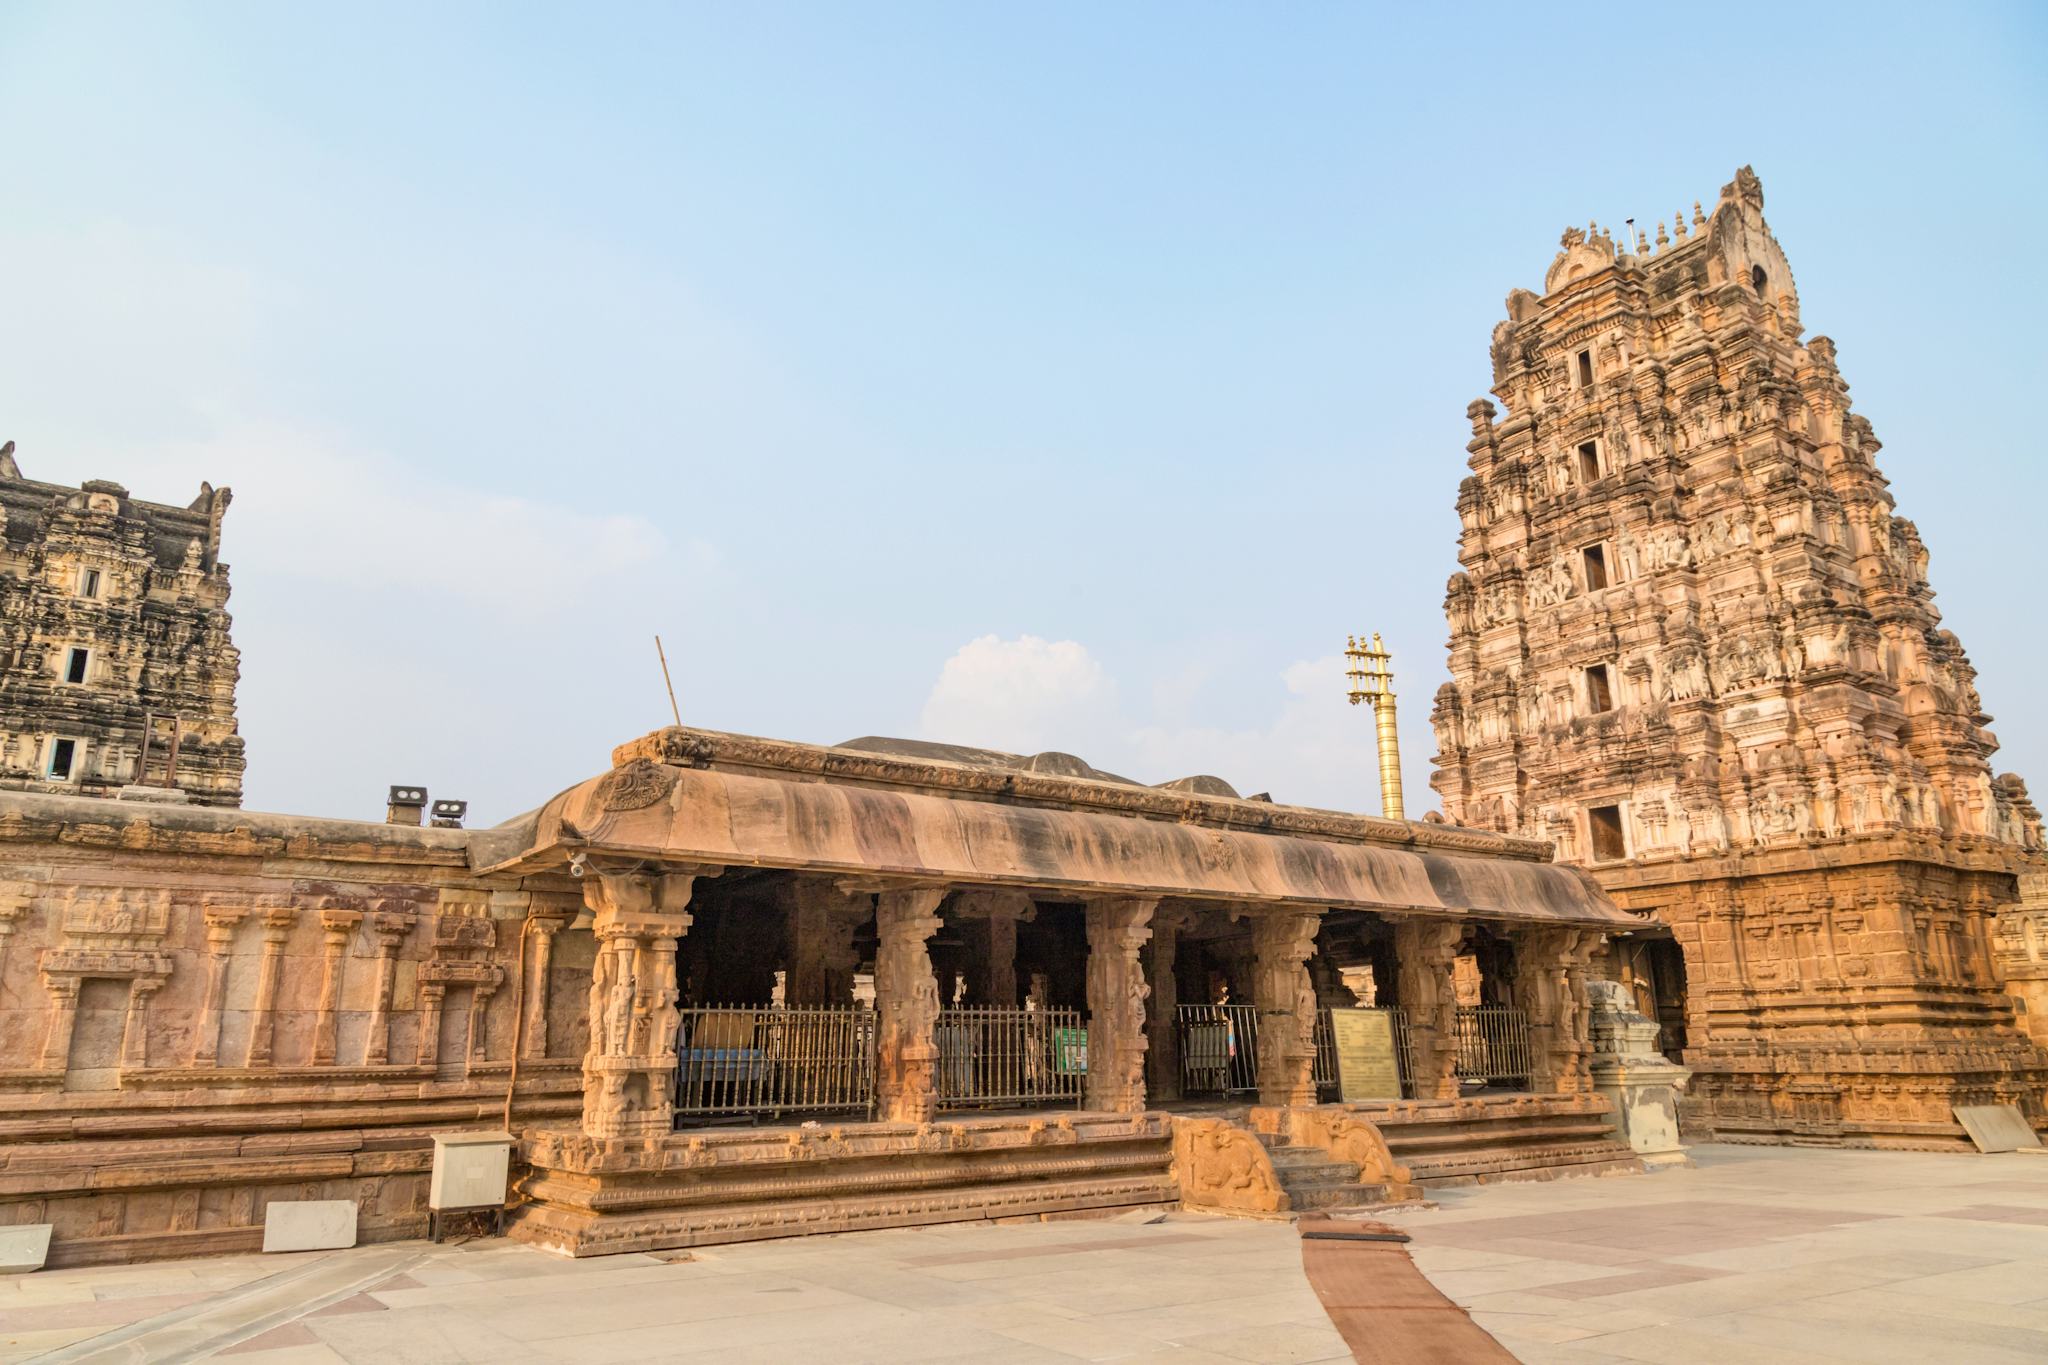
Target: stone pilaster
135, 1028
277, 927
63, 991
14, 903
221, 923
629, 1072
432, 998
389, 928
1424, 951
1117, 931
907, 1001
337, 927
479, 1023
543, 925
1286, 999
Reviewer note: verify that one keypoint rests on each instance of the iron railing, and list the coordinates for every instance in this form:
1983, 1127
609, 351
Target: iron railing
991, 1057
1219, 1049
1493, 1045
765, 1061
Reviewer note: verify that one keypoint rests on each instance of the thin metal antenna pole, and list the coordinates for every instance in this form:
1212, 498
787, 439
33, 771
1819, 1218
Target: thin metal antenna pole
666, 682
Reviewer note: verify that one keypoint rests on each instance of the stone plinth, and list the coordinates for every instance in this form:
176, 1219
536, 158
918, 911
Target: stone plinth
705, 1188
1641, 1084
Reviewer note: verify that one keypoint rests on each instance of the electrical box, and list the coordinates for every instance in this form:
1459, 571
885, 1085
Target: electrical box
471, 1170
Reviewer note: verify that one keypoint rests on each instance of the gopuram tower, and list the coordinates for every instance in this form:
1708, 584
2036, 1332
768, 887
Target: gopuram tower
1693, 646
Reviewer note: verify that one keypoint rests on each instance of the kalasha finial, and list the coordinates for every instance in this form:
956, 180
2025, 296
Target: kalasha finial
1678, 225
1662, 240
1699, 219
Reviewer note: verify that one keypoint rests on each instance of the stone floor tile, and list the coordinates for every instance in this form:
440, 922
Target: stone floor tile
2002, 1282
1266, 1345
33, 1345
1551, 1331
289, 1336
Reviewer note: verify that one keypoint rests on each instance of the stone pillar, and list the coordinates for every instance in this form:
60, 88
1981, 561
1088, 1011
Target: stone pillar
389, 928
1117, 930
1551, 966
1282, 940
135, 1028
1162, 1024
822, 919
543, 925
907, 1000
63, 1019
629, 1073
220, 935
337, 927
277, 927
992, 975
1424, 951
428, 1051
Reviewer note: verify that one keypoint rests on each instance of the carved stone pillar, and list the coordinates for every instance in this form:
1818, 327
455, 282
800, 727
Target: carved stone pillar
63, 1019
1162, 1024
221, 922
630, 1070
337, 927
822, 919
907, 1001
1424, 951
432, 998
1117, 930
543, 925
389, 927
1551, 977
992, 975
1286, 1001
135, 1028
277, 927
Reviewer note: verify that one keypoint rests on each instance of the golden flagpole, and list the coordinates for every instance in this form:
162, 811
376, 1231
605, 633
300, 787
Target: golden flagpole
1372, 681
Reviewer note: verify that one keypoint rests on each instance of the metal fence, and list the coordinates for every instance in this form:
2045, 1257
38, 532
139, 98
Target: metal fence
990, 1057
762, 1062
1493, 1045
1219, 1047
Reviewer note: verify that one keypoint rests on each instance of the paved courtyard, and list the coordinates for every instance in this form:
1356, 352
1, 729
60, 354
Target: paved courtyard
1758, 1255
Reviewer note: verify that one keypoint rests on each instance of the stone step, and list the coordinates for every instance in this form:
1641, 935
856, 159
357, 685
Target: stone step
1334, 1195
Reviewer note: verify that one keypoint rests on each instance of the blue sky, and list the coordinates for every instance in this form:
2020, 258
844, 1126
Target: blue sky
1051, 376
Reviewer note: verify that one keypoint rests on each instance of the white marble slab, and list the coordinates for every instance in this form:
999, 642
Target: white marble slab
1996, 1127
24, 1247
309, 1224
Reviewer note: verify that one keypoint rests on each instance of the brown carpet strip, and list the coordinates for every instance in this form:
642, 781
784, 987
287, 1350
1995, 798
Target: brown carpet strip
1388, 1313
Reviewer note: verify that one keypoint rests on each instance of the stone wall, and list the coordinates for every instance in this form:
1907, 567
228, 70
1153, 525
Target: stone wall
201, 1010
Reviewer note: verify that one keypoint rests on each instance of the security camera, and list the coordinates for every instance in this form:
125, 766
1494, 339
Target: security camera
578, 864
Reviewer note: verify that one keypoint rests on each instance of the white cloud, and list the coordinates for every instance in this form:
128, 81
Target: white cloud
1311, 748
1023, 695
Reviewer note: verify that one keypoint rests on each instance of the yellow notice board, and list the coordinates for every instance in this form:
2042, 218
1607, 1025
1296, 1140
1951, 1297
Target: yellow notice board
1367, 1068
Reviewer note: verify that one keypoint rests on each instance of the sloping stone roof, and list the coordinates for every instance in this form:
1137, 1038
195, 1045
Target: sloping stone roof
683, 795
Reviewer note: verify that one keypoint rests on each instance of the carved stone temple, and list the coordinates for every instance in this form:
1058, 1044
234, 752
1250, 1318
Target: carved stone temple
732, 988
114, 643
1693, 646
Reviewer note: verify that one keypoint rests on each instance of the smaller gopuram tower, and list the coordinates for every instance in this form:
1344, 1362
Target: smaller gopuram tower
1693, 646
114, 640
